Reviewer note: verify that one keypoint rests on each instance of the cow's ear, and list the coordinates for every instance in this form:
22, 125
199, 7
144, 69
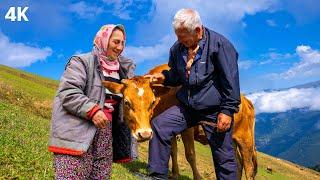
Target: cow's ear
113, 87
160, 90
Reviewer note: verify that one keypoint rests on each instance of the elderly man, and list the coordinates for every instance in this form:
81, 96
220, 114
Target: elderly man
204, 64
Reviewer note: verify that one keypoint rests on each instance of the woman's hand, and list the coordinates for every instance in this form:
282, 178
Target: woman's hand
100, 119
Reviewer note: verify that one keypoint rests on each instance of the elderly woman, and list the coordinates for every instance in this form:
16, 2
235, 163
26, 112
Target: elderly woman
84, 112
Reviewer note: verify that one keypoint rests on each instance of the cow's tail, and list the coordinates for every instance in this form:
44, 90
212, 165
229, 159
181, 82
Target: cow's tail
254, 157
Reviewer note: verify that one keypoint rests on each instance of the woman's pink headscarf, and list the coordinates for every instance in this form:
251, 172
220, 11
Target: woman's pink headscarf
103, 36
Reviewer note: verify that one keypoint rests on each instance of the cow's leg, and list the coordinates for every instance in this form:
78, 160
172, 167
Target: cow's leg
190, 154
246, 152
255, 161
174, 158
239, 159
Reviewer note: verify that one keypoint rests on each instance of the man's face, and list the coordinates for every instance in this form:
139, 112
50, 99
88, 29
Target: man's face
188, 39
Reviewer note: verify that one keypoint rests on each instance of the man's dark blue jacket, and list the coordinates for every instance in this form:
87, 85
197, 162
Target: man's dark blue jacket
213, 83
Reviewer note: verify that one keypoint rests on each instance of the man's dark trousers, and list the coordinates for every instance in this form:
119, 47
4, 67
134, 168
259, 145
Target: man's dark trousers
178, 118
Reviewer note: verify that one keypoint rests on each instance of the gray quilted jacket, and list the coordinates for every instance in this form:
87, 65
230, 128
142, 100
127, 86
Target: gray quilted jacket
77, 94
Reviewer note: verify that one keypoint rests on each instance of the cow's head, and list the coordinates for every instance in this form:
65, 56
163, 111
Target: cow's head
139, 102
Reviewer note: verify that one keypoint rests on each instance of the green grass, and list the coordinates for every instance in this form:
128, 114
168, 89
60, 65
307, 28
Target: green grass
38, 87
28, 91
263, 173
23, 144
25, 112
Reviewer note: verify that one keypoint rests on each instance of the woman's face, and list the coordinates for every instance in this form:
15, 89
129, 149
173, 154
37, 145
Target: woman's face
116, 44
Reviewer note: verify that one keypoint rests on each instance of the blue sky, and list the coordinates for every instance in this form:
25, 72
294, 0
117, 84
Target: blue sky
278, 41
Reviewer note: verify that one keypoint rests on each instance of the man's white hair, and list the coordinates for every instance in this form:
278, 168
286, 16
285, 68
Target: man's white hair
187, 18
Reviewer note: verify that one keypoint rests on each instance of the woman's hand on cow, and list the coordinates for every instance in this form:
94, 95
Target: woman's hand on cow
157, 78
224, 122
100, 119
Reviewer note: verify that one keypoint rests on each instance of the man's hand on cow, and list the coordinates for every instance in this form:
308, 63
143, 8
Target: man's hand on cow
224, 122
100, 119
157, 78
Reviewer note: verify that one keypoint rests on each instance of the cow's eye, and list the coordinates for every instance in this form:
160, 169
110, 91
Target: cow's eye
127, 103
151, 105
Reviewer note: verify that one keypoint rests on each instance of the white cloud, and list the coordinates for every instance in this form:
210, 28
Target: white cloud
84, 10
223, 16
79, 51
244, 25
120, 8
227, 10
271, 23
308, 66
268, 58
155, 52
281, 101
20, 55
246, 64
60, 56
305, 11
129, 9
273, 56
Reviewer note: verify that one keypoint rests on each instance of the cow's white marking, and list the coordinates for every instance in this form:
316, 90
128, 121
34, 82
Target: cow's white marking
140, 91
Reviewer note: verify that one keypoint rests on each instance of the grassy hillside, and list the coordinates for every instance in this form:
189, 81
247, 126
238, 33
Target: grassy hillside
26, 90
25, 109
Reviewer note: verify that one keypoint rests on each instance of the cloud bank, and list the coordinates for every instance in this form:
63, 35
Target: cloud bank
308, 66
281, 101
19, 54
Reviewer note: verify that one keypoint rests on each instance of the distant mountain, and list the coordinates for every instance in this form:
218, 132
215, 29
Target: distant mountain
293, 135
315, 84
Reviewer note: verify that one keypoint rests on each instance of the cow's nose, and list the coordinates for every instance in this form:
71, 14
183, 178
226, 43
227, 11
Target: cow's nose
145, 135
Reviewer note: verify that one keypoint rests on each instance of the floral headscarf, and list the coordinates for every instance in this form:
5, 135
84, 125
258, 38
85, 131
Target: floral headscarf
103, 36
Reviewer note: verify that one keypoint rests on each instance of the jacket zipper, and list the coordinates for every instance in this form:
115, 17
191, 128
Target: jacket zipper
188, 96
196, 69
188, 86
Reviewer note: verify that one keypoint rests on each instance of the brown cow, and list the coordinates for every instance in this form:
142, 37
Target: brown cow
144, 101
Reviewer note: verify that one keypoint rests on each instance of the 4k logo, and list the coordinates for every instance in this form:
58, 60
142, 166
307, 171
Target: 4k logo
17, 14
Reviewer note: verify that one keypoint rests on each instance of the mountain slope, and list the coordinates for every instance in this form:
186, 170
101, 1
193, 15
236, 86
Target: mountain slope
284, 129
25, 105
305, 151
293, 134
